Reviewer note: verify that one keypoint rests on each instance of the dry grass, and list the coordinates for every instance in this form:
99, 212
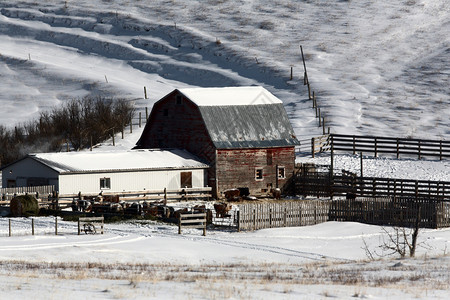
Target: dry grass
404, 274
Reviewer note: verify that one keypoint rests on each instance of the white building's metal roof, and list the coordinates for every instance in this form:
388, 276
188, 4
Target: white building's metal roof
146, 159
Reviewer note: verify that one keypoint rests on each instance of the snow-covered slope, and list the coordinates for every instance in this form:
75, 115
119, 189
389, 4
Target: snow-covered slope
378, 68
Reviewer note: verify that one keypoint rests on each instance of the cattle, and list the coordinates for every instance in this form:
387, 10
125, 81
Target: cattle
222, 209
276, 193
232, 194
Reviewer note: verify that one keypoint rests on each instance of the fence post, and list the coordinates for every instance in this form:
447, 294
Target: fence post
376, 148
56, 226
314, 99
417, 189
140, 119
145, 93
238, 215
9, 226
398, 148
354, 146
312, 146
32, 226
165, 196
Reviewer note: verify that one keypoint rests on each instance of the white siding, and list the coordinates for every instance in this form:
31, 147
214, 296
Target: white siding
129, 181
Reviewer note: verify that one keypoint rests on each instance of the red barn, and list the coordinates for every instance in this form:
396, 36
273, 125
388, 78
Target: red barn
243, 133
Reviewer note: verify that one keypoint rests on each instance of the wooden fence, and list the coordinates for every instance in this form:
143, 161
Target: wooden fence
388, 145
379, 211
390, 187
57, 201
91, 225
255, 216
6, 194
317, 181
392, 211
320, 144
194, 220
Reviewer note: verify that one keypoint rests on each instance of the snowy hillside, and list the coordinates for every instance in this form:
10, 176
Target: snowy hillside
378, 68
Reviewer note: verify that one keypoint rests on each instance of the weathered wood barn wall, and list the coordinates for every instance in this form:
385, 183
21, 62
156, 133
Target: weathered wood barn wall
243, 133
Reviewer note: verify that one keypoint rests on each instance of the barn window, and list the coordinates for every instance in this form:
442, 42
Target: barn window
105, 183
166, 112
281, 173
259, 174
179, 98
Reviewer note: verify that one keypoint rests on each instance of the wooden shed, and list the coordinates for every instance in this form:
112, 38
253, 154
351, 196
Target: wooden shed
243, 133
115, 171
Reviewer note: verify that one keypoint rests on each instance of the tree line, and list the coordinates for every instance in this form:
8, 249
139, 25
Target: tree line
77, 124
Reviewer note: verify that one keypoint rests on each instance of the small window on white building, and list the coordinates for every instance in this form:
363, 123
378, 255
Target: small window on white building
259, 174
105, 183
281, 173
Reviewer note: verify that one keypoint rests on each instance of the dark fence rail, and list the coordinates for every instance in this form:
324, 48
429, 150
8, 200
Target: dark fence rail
388, 145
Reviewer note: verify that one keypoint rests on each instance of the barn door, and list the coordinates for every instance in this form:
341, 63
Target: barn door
186, 179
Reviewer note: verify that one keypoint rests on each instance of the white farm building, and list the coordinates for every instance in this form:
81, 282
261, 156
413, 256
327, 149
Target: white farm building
116, 171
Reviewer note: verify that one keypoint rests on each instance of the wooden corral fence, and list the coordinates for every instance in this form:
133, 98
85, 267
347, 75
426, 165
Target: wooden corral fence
316, 181
192, 220
392, 211
320, 144
388, 145
378, 211
391, 187
91, 225
6, 194
253, 216
201, 193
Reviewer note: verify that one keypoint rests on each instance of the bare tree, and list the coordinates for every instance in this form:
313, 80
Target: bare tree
77, 122
401, 240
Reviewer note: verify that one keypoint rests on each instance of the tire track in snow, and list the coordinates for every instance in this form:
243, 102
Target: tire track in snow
53, 244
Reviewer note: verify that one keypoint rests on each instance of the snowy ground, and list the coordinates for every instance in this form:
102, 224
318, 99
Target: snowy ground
147, 260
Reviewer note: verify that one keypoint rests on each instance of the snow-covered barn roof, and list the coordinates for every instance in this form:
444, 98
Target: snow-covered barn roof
243, 117
133, 160
230, 96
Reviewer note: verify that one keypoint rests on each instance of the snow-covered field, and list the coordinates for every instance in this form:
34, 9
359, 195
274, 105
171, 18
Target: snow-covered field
147, 260
378, 68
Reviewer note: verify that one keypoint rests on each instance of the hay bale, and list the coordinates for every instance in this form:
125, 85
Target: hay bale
24, 206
